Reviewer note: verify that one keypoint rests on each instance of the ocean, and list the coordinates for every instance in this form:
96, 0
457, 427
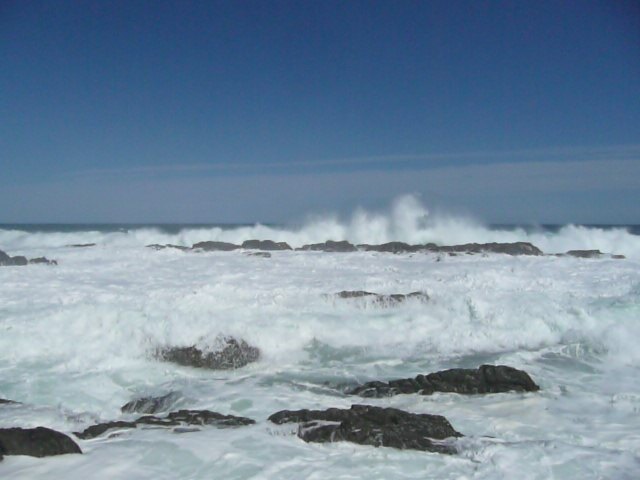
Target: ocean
77, 341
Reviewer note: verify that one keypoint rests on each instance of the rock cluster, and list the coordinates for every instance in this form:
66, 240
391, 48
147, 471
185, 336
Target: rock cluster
19, 260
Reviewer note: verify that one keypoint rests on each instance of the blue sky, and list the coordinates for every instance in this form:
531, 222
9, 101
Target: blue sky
242, 111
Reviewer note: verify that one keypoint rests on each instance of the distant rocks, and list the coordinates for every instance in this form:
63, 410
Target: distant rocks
392, 247
82, 245
157, 246
381, 299
268, 245
35, 442
214, 246
231, 354
369, 425
181, 418
485, 379
330, 246
258, 254
151, 404
8, 261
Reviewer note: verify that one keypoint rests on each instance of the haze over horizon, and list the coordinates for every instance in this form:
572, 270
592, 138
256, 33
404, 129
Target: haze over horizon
250, 111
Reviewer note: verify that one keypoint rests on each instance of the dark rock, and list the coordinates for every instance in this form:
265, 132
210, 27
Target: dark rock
83, 245
258, 254
234, 354
485, 379
151, 404
369, 425
391, 247
381, 299
330, 246
43, 260
179, 419
35, 442
585, 253
4, 401
265, 245
516, 248
618, 257
215, 246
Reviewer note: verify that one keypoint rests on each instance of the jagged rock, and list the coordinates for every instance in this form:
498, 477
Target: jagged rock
234, 354
585, 253
389, 300
35, 442
265, 245
43, 260
369, 425
180, 418
151, 404
330, 246
391, 247
485, 379
215, 246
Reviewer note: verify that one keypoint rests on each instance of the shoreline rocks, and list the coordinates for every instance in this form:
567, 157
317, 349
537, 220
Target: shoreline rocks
232, 354
151, 404
18, 261
35, 442
370, 425
485, 379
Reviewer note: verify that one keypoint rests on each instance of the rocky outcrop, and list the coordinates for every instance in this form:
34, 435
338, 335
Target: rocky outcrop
215, 246
485, 379
8, 261
385, 300
35, 442
268, 245
330, 246
516, 248
369, 425
231, 354
151, 404
180, 418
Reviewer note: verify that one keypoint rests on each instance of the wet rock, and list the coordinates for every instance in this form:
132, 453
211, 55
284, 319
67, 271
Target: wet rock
8, 261
258, 254
4, 401
369, 425
265, 245
35, 442
584, 253
330, 246
43, 261
83, 245
391, 247
381, 299
151, 404
618, 257
179, 419
515, 248
485, 379
232, 354
215, 246
157, 246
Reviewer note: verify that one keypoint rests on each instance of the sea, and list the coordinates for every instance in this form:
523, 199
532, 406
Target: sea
77, 341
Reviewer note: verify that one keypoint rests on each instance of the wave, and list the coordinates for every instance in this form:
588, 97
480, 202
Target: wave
407, 220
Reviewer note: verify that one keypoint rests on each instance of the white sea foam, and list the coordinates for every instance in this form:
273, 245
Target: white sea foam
77, 342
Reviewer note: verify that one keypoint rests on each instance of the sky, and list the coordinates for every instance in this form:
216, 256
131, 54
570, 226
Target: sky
266, 111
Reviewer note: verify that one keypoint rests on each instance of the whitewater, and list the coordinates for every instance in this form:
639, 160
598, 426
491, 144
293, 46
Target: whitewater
77, 341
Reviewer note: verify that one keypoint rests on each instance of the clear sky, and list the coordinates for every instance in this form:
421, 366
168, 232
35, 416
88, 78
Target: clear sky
242, 111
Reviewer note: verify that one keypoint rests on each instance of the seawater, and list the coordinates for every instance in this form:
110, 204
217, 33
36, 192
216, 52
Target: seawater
77, 342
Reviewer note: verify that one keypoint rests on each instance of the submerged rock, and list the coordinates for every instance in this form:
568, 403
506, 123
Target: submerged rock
330, 246
369, 425
157, 246
258, 254
43, 260
382, 299
215, 246
179, 419
84, 245
151, 404
485, 379
233, 354
35, 442
265, 245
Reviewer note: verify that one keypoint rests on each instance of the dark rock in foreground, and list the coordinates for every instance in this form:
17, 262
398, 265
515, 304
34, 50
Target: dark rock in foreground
265, 245
369, 425
215, 246
330, 246
19, 261
234, 354
35, 442
151, 404
485, 379
388, 300
174, 419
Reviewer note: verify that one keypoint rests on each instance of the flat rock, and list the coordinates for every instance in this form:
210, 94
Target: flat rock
265, 245
369, 425
515, 248
382, 299
35, 442
179, 419
485, 379
210, 246
43, 261
330, 246
231, 355
151, 404
585, 253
